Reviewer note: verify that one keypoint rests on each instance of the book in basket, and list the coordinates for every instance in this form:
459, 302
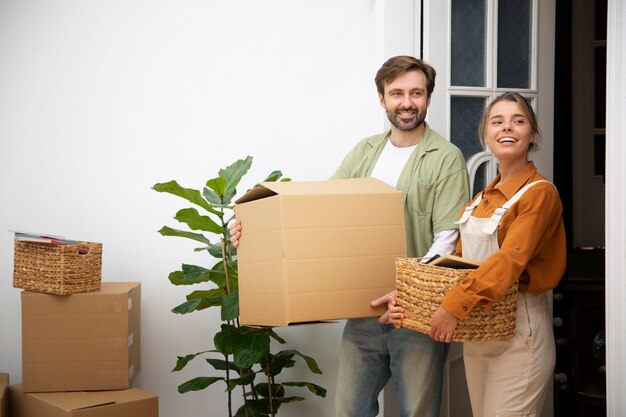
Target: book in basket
422, 287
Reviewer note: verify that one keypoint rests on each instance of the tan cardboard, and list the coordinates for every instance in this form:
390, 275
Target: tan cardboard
81, 342
314, 251
123, 403
4, 384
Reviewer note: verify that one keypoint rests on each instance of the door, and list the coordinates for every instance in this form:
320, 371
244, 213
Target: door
480, 49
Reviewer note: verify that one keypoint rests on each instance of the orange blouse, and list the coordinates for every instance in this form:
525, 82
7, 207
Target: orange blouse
532, 244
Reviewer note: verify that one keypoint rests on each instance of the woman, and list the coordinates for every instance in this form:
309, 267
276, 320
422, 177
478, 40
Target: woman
526, 244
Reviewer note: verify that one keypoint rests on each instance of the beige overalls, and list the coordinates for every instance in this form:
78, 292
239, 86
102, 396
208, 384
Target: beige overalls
507, 377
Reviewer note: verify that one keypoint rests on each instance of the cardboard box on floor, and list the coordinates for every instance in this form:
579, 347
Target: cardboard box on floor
4, 383
81, 342
313, 251
124, 403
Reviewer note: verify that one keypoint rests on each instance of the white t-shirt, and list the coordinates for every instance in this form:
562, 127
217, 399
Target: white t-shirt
388, 169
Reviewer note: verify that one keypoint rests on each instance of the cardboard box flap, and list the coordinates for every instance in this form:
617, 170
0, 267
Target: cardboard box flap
328, 187
257, 193
71, 401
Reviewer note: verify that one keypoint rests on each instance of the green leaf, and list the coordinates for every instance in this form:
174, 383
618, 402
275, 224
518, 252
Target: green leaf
198, 383
218, 186
187, 307
195, 221
273, 177
184, 360
244, 380
254, 345
256, 408
276, 337
222, 365
215, 250
214, 295
264, 391
219, 278
188, 194
311, 363
226, 339
230, 306
168, 231
279, 362
233, 173
192, 274
315, 389
212, 197
285, 400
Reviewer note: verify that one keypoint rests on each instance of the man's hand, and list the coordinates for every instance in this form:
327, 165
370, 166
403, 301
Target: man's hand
235, 232
442, 325
394, 314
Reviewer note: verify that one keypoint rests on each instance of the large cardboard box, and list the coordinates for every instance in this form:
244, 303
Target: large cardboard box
81, 342
313, 251
124, 403
4, 383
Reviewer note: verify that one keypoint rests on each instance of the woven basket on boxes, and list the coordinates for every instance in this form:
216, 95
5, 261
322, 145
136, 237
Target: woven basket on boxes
420, 291
57, 268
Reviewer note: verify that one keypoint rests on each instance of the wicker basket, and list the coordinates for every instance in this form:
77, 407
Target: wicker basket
420, 291
57, 269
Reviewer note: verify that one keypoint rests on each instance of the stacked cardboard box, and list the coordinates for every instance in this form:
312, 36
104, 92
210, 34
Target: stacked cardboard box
125, 403
81, 354
4, 383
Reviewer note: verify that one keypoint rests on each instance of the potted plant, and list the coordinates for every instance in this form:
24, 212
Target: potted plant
241, 355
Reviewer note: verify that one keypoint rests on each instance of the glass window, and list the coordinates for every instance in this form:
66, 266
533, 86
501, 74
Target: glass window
465, 115
514, 43
468, 43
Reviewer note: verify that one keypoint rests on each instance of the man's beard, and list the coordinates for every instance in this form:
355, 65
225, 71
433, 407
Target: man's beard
416, 122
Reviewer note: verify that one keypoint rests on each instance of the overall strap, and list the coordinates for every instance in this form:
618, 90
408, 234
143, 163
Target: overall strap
469, 210
499, 213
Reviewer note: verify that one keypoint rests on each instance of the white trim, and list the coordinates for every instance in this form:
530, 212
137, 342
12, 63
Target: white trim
615, 209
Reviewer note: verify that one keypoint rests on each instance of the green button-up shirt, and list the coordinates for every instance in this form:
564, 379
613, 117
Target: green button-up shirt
434, 181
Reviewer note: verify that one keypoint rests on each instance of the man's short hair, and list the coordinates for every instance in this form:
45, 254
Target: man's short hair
399, 65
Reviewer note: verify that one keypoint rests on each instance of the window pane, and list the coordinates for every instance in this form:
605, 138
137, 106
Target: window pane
514, 43
600, 15
599, 154
600, 87
465, 113
468, 43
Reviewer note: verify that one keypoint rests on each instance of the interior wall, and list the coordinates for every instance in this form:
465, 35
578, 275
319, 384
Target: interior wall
101, 100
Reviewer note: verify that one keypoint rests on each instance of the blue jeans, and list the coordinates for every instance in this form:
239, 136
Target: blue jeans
371, 353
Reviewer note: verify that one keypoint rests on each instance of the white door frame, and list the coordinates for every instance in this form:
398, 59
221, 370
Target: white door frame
616, 210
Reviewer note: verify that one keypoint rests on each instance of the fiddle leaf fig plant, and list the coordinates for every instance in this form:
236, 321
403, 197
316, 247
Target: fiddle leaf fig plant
241, 356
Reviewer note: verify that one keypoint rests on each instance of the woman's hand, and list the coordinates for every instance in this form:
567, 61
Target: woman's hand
442, 325
235, 232
394, 314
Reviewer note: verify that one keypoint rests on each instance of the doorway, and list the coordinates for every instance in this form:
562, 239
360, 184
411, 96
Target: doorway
580, 96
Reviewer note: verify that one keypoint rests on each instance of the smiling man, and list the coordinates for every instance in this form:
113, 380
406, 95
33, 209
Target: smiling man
432, 174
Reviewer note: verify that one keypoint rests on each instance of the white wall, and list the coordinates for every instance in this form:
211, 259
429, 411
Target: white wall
99, 100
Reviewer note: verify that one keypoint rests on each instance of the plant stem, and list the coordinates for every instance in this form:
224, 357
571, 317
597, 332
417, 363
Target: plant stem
270, 383
225, 264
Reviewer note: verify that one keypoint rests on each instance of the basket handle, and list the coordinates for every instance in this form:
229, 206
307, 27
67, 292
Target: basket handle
83, 250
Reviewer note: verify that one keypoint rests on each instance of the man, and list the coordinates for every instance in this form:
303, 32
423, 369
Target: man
432, 174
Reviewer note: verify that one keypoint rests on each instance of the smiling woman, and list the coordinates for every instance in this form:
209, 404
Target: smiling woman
515, 228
